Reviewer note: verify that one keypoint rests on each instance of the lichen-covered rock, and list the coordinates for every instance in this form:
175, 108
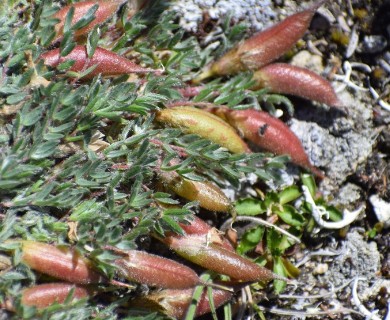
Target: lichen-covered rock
340, 155
257, 14
358, 258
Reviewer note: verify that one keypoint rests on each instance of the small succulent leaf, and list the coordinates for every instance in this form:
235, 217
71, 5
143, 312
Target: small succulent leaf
250, 239
278, 268
92, 42
291, 270
289, 194
227, 311
291, 216
309, 182
274, 241
333, 212
249, 207
259, 312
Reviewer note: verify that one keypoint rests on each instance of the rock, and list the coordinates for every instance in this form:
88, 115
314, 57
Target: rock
305, 59
358, 258
374, 44
381, 209
335, 141
349, 193
321, 268
375, 288
257, 14
340, 155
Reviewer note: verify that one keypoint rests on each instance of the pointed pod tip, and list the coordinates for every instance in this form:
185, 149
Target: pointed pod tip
338, 104
317, 172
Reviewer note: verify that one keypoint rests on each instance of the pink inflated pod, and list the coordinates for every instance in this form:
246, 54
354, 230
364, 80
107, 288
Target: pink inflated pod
61, 263
196, 226
212, 256
43, 295
269, 133
287, 79
156, 271
106, 9
106, 63
264, 47
199, 227
175, 303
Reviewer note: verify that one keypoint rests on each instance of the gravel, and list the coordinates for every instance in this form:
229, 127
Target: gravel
257, 14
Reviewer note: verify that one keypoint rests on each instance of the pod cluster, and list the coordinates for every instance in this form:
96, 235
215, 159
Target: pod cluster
75, 276
71, 275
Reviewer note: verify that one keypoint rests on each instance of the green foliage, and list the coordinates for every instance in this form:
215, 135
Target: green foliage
289, 208
79, 160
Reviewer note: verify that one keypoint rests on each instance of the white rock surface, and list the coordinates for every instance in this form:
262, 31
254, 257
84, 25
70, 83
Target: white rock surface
257, 14
381, 209
359, 258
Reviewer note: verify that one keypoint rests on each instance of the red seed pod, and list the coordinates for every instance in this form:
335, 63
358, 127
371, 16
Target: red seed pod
204, 124
196, 226
175, 303
264, 47
269, 133
43, 295
152, 270
107, 63
214, 257
105, 10
199, 227
209, 195
287, 79
60, 263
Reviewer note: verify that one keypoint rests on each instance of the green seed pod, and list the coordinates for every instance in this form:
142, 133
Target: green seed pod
204, 124
209, 195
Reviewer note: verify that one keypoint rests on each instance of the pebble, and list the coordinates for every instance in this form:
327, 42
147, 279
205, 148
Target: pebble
374, 44
381, 209
321, 268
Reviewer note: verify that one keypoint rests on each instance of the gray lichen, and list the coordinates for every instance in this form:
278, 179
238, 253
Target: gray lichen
257, 14
340, 155
359, 258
